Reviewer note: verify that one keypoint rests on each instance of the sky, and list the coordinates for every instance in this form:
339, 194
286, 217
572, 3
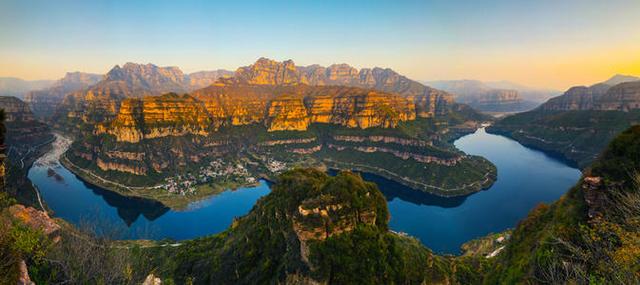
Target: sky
543, 43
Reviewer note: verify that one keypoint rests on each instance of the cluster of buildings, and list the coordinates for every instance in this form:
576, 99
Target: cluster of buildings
218, 169
275, 166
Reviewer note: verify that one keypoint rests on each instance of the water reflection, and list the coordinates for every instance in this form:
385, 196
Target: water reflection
394, 190
130, 208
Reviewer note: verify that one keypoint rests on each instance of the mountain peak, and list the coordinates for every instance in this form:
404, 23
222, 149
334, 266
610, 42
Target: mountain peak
620, 78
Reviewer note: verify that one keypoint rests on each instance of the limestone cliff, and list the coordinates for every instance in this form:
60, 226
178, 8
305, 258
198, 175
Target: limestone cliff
293, 107
154, 117
362, 109
287, 113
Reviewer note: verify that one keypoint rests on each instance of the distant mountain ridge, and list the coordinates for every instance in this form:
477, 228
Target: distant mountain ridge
44, 102
527, 93
623, 96
11, 86
620, 78
271, 72
483, 97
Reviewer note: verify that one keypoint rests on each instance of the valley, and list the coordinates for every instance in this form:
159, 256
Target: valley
177, 148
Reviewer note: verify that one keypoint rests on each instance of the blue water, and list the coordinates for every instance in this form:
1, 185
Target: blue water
96, 209
526, 177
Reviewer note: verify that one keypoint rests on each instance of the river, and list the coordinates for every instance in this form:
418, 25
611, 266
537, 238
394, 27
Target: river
526, 177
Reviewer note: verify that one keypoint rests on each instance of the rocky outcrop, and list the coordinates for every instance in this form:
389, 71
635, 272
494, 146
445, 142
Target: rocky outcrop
45, 102
35, 219
287, 141
269, 72
139, 156
384, 139
431, 103
362, 109
287, 113
152, 280
135, 169
326, 215
148, 76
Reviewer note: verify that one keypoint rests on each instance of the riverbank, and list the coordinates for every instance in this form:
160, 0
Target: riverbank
539, 145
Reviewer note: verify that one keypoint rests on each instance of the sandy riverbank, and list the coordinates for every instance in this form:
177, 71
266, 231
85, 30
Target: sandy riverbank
58, 147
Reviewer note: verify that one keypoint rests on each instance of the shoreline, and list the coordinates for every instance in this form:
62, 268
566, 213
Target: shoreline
557, 155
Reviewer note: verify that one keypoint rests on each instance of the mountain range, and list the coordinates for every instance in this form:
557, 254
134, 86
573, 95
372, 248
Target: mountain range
371, 119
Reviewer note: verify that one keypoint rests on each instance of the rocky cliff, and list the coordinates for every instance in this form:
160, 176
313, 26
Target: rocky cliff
620, 97
293, 107
158, 116
287, 113
15, 110
23, 130
44, 102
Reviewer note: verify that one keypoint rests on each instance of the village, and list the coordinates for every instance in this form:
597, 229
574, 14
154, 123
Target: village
218, 170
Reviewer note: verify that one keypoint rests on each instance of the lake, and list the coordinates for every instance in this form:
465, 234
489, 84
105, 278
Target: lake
526, 178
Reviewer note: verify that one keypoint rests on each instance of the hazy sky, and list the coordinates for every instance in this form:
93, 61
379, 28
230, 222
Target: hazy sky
542, 43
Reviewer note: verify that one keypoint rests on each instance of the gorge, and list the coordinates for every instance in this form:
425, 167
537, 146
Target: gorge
442, 224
